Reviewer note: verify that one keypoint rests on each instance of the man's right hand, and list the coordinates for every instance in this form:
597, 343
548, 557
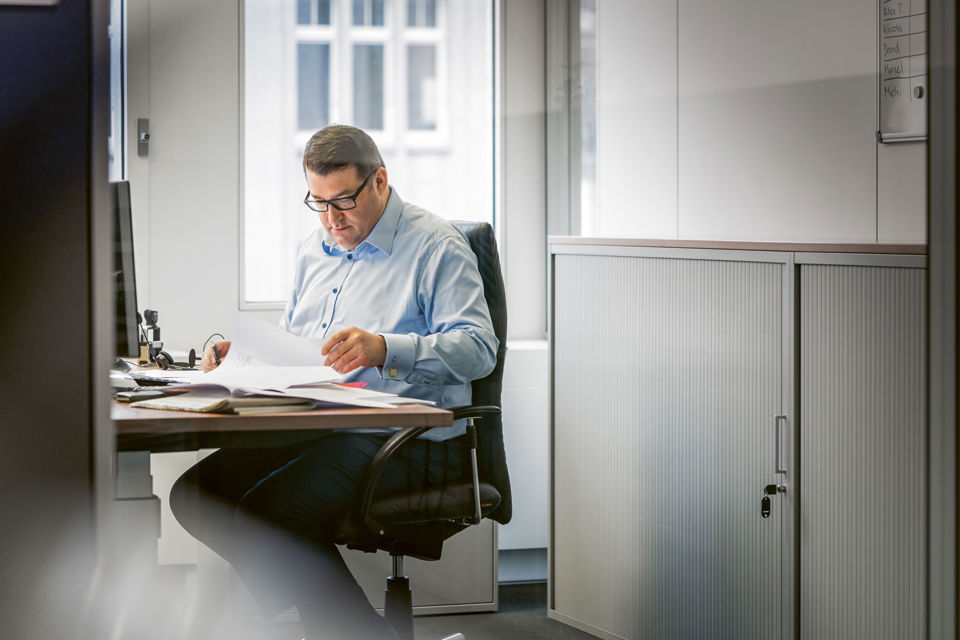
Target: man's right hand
209, 362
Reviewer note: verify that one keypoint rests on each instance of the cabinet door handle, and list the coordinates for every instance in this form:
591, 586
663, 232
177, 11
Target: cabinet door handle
777, 419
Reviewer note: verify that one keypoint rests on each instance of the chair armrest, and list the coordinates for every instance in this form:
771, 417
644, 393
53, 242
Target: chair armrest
475, 411
392, 445
376, 467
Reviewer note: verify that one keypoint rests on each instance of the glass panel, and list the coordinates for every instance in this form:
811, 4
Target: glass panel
368, 12
429, 13
377, 18
421, 13
588, 117
368, 86
313, 78
412, 14
323, 12
303, 12
422, 86
115, 170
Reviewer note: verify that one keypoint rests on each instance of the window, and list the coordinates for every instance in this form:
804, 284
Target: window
368, 86
368, 12
313, 85
313, 11
421, 13
389, 67
116, 169
422, 86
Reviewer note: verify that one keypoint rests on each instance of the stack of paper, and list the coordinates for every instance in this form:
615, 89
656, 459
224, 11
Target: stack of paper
214, 401
246, 382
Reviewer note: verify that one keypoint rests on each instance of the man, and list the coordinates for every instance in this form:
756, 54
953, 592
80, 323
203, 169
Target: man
396, 293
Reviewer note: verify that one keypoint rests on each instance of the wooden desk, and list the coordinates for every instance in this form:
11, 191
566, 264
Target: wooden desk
158, 431
140, 432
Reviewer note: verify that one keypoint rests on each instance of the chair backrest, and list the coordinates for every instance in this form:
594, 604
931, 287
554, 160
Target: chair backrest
491, 457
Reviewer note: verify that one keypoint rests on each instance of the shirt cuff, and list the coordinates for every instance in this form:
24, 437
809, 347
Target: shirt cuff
401, 352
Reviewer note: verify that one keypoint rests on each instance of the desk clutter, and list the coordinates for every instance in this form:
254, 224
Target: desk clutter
251, 389
251, 379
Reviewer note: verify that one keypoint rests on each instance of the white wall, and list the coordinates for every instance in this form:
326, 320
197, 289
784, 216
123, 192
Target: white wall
184, 76
748, 120
522, 177
636, 119
526, 438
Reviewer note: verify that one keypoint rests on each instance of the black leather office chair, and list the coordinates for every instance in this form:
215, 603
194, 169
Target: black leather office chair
417, 524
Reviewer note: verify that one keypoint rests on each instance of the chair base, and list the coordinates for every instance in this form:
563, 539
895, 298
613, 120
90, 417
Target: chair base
398, 606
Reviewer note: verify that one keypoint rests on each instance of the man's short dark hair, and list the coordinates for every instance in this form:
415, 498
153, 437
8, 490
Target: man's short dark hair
339, 146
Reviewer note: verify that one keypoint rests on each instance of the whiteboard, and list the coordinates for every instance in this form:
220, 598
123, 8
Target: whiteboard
903, 70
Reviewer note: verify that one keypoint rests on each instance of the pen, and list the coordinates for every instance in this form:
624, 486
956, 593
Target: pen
216, 356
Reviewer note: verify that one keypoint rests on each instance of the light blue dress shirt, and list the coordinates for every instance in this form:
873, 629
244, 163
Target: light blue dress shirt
413, 280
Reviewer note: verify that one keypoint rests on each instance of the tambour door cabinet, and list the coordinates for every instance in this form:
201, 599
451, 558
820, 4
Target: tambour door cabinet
709, 437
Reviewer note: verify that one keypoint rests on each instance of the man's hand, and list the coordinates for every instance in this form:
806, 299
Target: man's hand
351, 348
209, 362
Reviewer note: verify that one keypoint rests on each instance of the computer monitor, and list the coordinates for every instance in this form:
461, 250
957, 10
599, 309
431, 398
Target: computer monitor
125, 281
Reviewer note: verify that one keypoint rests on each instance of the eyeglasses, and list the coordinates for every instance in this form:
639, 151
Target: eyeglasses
341, 204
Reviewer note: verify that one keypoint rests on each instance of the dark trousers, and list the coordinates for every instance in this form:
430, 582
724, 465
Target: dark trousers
269, 512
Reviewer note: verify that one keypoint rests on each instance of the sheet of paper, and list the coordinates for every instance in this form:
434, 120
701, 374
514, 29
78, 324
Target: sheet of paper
332, 395
259, 342
257, 377
362, 393
262, 356
352, 394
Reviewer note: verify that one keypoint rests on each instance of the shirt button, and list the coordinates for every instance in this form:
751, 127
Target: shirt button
349, 256
334, 290
324, 325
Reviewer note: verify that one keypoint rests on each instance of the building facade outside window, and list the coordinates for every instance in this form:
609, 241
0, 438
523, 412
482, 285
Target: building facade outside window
417, 75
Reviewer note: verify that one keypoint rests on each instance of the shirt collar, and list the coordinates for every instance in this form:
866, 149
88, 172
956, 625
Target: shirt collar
382, 234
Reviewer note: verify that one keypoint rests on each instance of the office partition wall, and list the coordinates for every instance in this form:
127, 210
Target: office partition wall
55, 440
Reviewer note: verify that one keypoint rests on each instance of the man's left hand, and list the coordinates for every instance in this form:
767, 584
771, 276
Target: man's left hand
349, 349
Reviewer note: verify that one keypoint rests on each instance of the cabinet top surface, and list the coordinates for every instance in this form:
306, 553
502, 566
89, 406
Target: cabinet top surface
558, 242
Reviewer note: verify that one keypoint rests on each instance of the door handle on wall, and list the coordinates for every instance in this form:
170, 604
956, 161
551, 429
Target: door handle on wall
777, 419
143, 137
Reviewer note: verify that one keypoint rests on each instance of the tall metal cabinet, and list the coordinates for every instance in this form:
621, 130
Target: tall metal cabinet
688, 499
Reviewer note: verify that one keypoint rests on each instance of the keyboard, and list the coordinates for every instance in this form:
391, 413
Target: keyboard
146, 380
134, 395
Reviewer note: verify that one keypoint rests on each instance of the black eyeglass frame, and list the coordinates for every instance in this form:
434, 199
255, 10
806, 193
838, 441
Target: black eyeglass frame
322, 206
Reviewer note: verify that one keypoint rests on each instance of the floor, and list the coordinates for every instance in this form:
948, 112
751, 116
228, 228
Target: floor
522, 614
167, 605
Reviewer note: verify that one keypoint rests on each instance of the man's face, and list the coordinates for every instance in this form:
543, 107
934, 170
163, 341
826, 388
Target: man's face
350, 227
